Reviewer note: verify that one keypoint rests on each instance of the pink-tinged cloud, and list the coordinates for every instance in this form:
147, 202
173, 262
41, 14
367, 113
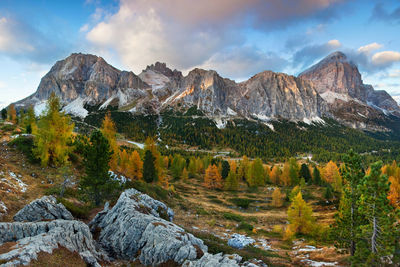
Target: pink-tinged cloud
385, 58
189, 33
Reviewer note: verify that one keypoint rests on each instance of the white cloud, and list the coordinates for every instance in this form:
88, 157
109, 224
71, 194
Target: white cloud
10, 39
385, 58
367, 49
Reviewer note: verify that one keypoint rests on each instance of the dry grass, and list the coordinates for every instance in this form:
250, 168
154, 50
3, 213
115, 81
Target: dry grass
59, 257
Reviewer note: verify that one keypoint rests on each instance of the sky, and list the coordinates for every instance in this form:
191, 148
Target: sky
237, 38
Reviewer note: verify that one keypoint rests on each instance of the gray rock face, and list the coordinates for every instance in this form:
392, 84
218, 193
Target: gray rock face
87, 77
45, 208
135, 229
279, 95
337, 74
35, 237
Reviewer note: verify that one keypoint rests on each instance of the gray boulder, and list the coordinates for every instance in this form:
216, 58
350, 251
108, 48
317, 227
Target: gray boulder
45, 208
35, 237
240, 241
135, 229
217, 260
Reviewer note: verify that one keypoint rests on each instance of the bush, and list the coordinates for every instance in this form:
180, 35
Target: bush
245, 227
8, 127
241, 202
78, 211
25, 145
233, 217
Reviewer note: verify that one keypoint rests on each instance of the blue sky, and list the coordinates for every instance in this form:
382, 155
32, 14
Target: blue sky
235, 37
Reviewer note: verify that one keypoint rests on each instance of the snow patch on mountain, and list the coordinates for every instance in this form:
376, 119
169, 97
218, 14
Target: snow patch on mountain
315, 119
397, 98
231, 112
40, 107
76, 108
330, 97
105, 104
139, 145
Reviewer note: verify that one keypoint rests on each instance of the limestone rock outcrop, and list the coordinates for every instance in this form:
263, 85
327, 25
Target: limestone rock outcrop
45, 208
34, 237
139, 228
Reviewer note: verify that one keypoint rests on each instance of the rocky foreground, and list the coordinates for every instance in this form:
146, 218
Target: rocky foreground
137, 229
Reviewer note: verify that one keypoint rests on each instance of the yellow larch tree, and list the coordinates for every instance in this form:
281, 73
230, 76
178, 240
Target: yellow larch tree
123, 162
12, 114
135, 168
277, 198
212, 178
300, 216
109, 131
52, 133
285, 176
275, 175
331, 175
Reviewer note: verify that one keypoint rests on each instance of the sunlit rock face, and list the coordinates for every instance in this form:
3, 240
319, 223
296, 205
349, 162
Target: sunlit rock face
337, 78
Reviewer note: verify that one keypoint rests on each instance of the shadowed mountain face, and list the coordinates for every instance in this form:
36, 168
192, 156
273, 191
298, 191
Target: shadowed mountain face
331, 88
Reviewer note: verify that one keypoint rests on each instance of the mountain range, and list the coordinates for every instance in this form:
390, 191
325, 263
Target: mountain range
332, 88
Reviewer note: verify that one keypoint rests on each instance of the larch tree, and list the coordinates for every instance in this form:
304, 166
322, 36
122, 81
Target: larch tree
212, 178
231, 182
96, 182
29, 120
275, 175
277, 198
150, 144
243, 168
12, 114
300, 216
285, 175
379, 233
109, 131
52, 134
294, 172
123, 162
332, 176
135, 167
185, 174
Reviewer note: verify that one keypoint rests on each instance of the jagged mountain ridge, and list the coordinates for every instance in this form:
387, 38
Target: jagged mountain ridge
324, 90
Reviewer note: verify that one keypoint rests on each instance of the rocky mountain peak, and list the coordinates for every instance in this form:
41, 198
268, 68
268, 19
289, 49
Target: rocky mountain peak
163, 69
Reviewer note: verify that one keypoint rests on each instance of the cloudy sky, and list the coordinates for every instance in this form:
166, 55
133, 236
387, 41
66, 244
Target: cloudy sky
238, 38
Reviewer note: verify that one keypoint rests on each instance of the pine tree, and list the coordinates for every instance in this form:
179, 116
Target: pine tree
109, 131
52, 134
225, 169
277, 198
4, 113
97, 183
305, 173
348, 220
212, 178
300, 216
135, 168
149, 170
378, 236
317, 176
328, 195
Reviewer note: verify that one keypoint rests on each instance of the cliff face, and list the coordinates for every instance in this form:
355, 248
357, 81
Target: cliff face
270, 94
337, 78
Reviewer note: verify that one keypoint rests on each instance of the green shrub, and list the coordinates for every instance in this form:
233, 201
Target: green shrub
241, 202
233, 217
25, 145
8, 127
245, 227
